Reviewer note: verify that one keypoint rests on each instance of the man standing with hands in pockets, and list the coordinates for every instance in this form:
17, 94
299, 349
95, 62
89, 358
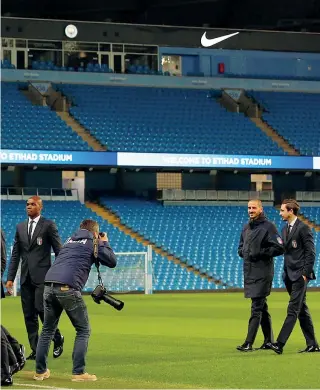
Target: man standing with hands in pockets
259, 244
299, 260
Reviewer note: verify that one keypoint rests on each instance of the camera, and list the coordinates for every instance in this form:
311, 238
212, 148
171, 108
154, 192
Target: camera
100, 294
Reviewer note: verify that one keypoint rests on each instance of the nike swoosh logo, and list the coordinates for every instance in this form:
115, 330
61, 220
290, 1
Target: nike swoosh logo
211, 42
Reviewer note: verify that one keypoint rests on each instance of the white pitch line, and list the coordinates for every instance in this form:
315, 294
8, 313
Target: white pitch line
42, 387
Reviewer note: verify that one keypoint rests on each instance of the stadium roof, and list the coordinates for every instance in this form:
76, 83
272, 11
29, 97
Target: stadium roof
288, 15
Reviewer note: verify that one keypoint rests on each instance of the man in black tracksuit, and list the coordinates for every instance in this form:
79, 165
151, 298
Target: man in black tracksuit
63, 284
259, 243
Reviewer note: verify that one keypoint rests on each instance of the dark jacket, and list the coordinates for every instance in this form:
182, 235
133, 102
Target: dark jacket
73, 265
36, 256
300, 254
259, 243
3, 260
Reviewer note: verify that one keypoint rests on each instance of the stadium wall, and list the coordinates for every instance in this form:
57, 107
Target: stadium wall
160, 81
246, 63
22, 177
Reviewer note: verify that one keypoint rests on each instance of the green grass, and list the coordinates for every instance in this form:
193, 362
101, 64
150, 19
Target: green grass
177, 341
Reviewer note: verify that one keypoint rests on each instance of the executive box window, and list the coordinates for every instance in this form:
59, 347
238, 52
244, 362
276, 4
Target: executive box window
104, 47
6, 55
142, 60
21, 43
44, 56
6, 42
80, 59
50, 45
141, 49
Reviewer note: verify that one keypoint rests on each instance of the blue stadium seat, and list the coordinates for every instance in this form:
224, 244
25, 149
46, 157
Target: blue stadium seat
205, 237
295, 116
26, 126
167, 276
140, 119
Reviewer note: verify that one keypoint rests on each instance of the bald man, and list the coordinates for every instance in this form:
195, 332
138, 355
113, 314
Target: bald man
32, 244
259, 244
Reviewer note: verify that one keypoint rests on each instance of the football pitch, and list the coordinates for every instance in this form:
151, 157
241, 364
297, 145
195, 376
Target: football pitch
175, 341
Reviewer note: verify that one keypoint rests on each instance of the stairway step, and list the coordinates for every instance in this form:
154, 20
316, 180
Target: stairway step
114, 220
81, 131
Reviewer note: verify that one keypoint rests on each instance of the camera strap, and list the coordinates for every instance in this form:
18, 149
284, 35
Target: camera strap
96, 261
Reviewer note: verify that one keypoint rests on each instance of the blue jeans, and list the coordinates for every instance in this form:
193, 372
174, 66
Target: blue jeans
56, 299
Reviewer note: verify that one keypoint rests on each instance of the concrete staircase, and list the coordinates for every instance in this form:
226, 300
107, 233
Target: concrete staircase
34, 96
272, 133
114, 220
82, 132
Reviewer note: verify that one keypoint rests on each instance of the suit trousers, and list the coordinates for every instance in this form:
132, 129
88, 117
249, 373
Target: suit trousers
32, 306
297, 308
259, 316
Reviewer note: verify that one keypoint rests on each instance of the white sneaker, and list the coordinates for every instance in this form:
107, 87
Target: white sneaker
84, 378
41, 377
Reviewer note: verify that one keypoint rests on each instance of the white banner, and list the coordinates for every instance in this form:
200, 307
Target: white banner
235, 94
42, 87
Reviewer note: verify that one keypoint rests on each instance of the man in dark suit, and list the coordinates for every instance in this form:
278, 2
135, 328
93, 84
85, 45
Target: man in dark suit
299, 260
33, 242
259, 243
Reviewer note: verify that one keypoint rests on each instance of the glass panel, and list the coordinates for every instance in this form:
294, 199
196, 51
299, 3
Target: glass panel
117, 63
150, 61
88, 46
21, 43
6, 55
105, 59
44, 56
7, 42
117, 48
79, 46
171, 64
21, 59
44, 45
140, 49
80, 59
105, 47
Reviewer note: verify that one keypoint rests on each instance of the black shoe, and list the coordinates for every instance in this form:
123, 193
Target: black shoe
311, 348
7, 381
15, 368
266, 345
32, 356
245, 347
22, 357
58, 348
277, 348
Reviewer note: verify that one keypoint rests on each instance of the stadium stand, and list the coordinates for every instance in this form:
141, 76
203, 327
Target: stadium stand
313, 214
27, 126
289, 113
138, 119
90, 67
68, 215
6, 64
205, 237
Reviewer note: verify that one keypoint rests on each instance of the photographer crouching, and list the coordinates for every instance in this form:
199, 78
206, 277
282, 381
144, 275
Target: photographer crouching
63, 284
